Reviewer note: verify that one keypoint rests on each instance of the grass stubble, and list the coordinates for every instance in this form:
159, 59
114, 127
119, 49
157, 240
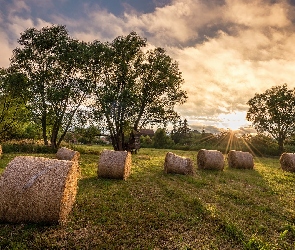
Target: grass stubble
230, 209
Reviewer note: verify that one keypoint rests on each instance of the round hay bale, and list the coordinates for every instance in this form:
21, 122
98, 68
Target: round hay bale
210, 159
114, 164
241, 160
178, 165
287, 161
67, 154
37, 189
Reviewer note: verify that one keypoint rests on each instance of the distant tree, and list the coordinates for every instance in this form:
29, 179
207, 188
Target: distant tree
180, 131
134, 88
55, 67
87, 134
161, 139
273, 112
146, 141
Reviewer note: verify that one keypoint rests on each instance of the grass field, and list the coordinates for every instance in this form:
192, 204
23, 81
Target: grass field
232, 209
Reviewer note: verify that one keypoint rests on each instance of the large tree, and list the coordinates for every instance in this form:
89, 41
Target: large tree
55, 66
273, 112
136, 86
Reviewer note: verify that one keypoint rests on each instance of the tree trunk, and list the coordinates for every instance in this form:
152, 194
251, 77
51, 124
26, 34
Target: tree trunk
54, 134
118, 142
281, 145
44, 130
44, 118
54, 138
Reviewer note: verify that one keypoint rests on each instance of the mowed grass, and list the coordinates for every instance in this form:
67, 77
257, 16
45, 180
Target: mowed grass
232, 209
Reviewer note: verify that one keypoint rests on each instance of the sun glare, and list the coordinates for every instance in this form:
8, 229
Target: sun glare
233, 121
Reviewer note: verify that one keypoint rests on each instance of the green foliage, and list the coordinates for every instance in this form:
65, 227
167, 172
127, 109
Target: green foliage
87, 135
256, 244
26, 130
273, 112
54, 65
146, 142
26, 146
12, 103
134, 87
161, 139
263, 145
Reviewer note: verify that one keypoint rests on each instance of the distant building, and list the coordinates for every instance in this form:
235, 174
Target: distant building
146, 132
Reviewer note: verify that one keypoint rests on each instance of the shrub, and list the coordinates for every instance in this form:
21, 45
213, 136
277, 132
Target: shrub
26, 146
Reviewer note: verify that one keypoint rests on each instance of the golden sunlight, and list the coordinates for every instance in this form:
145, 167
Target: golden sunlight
233, 121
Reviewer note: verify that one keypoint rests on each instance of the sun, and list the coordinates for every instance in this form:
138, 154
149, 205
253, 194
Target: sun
233, 121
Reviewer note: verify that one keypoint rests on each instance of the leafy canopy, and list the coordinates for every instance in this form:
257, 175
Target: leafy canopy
12, 102
136, 86
54, 65
273, 112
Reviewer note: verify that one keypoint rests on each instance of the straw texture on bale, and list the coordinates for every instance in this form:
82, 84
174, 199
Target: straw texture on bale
287, 161
210, 159
178, 165
37, 189
67, 154
241, 160
114, 164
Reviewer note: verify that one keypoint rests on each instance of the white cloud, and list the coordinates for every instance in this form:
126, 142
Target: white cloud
6, 50
257, 13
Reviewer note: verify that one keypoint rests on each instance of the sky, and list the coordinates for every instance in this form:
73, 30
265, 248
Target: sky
227, 50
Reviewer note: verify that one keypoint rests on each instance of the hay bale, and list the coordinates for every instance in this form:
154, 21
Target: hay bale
241, 160
67, 154
210, 159
178, 165
287, 161
114, 164
37, 189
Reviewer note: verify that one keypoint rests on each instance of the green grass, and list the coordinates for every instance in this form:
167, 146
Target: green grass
232, 209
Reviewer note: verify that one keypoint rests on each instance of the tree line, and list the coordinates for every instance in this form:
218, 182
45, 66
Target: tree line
272, 114
258, 144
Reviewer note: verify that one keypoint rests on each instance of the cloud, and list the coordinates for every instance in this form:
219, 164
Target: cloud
227, 50
257, 13
223, 72
177, 23
6, 49
15, 21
